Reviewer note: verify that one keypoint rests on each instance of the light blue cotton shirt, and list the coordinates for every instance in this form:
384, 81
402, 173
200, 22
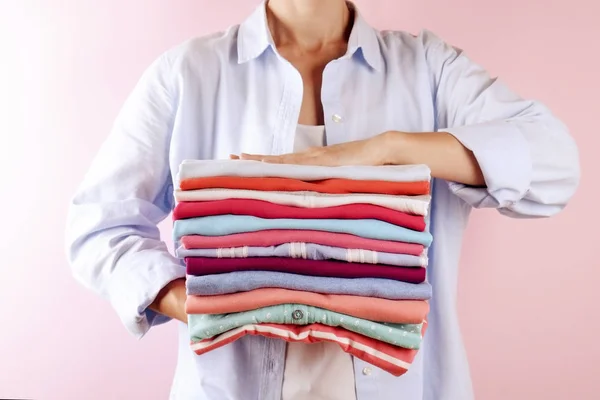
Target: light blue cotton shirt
220, 225
231, 92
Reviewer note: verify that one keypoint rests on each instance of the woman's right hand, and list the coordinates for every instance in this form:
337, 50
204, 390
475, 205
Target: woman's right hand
171, 301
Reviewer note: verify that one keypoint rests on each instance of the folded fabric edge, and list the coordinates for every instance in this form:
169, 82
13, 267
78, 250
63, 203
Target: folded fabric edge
230, 336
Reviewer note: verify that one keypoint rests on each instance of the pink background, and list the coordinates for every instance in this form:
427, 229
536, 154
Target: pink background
531, 329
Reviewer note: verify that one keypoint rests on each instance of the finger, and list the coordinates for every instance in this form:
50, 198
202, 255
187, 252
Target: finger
234, 157
253, 157
304, 158
262, 158
315, 158
274, 159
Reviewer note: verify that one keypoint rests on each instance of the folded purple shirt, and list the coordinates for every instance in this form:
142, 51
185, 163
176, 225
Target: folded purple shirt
340, 269
210, 285
309, 251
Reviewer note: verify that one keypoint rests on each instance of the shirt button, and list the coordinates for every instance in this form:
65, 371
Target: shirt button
366, 371
298, 314
336, 118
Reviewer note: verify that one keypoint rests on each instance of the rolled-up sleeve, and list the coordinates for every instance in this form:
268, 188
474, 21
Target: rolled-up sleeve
529, 161
113, 243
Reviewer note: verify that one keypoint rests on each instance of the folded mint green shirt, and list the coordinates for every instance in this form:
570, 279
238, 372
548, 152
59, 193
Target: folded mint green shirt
220, 225
206, 326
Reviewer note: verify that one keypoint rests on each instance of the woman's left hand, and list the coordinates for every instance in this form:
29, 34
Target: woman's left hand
370, 151
447, 158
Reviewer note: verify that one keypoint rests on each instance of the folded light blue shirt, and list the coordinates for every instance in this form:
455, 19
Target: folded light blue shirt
243, 281
220, 225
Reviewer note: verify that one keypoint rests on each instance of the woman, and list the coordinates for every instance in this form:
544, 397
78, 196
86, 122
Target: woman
295, 75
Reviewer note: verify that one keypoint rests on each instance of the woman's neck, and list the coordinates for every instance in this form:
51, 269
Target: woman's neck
309, 24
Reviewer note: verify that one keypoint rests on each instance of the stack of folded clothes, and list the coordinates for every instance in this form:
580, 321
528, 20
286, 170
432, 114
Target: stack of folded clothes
306, 254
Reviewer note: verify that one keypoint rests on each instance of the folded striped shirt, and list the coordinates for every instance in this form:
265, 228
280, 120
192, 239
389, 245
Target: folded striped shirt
393, 359
308, 251
274, 237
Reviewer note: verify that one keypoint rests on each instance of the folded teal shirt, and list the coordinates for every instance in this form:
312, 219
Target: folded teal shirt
220, 225
206, 326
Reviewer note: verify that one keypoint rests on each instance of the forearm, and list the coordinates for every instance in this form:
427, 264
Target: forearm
447, 158
170, 301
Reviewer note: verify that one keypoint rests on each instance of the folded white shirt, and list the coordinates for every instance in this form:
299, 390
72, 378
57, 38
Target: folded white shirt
417, 205
257, 169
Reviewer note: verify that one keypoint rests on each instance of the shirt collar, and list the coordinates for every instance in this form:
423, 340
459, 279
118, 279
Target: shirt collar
254, 37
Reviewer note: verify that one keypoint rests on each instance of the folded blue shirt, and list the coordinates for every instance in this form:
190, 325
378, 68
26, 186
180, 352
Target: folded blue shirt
220, 225
243, 281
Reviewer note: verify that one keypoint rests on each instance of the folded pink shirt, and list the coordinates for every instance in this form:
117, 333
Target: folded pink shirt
339, 269
393, 359
276, 237
374, 309
264, 209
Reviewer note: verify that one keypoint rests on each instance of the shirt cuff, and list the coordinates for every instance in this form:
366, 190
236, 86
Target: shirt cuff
503, 154
131, 292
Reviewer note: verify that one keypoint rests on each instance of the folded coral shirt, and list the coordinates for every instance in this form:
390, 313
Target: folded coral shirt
208, 266
264, 209
382, 310
393, 359
257, 169
418, 205
250, 280
308, 251
274, 237
205, 326
219, 225
334, 186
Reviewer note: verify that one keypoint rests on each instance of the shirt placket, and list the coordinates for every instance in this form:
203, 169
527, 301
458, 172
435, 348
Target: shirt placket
366, 381
333, 110
295, 314
288, 111
274, 354
271, 383
283, 142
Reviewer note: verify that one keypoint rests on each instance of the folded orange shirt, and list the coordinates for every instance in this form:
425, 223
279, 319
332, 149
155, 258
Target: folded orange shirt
332, 186
374, 309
